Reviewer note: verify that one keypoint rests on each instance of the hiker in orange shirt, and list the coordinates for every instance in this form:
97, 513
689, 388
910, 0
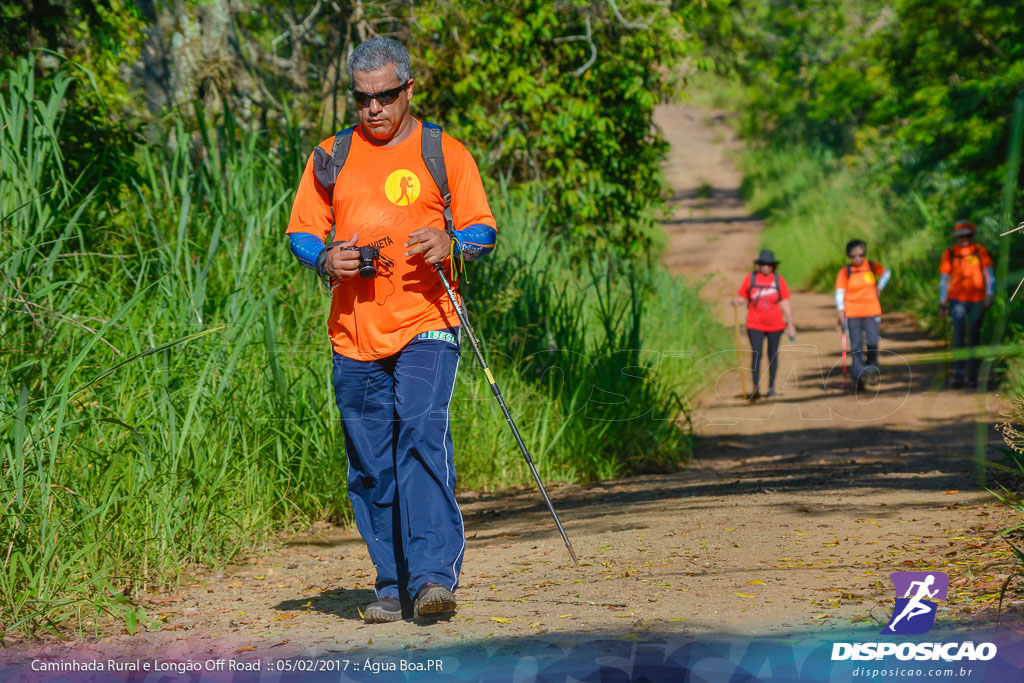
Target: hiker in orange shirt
966, 286
858, 285
376, 188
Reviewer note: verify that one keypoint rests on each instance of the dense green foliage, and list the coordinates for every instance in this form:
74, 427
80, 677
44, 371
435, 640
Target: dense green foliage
920, 90
554, 97
559, 97
164, 394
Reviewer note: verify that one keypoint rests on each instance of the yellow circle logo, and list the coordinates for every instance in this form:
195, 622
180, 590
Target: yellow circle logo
869, 277
402, 187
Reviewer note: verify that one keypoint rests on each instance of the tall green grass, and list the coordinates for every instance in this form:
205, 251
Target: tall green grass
597, 355
144, 426
165, 400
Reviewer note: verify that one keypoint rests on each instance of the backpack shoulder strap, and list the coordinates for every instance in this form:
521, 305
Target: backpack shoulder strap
750, 287
339, 153
777, 287
326, 168
849, 271
433, 158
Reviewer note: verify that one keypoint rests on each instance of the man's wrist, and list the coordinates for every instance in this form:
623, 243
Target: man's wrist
321, 262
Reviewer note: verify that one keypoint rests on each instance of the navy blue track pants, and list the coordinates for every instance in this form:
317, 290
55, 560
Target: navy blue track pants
401, 477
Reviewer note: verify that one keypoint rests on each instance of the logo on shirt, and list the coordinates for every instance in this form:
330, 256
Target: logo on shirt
764, 297
402, 187
869, 277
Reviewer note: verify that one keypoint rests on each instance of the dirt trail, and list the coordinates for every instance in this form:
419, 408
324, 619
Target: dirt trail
790, 520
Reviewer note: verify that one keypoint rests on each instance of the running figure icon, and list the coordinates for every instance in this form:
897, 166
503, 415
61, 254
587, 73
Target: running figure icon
919, 591
915, 607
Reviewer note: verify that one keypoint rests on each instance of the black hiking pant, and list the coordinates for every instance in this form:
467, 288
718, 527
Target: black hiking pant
967, 318
757, 338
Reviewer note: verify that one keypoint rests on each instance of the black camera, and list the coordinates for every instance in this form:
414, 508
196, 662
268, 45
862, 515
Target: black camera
368, 261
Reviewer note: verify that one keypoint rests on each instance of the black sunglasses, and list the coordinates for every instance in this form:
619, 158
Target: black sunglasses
388, 96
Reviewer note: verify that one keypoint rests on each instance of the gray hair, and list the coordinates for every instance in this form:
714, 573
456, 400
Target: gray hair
377, 53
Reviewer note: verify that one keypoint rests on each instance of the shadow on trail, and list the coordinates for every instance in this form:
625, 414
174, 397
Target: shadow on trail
744, 468
699, 220
343, 603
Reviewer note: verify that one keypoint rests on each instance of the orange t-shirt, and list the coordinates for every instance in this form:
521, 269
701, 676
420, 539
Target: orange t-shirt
384, 194
966, 268
861, 287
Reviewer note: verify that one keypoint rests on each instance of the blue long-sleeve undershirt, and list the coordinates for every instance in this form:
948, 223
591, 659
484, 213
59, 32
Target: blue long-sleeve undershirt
306, 248
472, 242
884, 280
475, 241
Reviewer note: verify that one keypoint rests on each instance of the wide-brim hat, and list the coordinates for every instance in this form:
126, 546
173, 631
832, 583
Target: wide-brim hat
964, 229
766, 257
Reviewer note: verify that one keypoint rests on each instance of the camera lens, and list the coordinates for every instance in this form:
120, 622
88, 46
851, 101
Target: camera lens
367, 256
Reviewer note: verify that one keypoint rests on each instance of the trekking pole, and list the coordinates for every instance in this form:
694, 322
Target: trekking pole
846, 380
497, 394
739, 351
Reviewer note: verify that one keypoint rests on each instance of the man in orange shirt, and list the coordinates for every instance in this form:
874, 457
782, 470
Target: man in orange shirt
966, 287
860, 311
394, 331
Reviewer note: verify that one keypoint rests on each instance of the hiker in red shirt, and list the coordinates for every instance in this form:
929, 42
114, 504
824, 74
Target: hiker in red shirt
858, 285
966, 286
768, 314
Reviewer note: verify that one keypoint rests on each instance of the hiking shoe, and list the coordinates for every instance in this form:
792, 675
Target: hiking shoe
433, 601
771, 392
957, 383
383, 611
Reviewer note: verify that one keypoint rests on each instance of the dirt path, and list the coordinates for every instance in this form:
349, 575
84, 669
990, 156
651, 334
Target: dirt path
790, 521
